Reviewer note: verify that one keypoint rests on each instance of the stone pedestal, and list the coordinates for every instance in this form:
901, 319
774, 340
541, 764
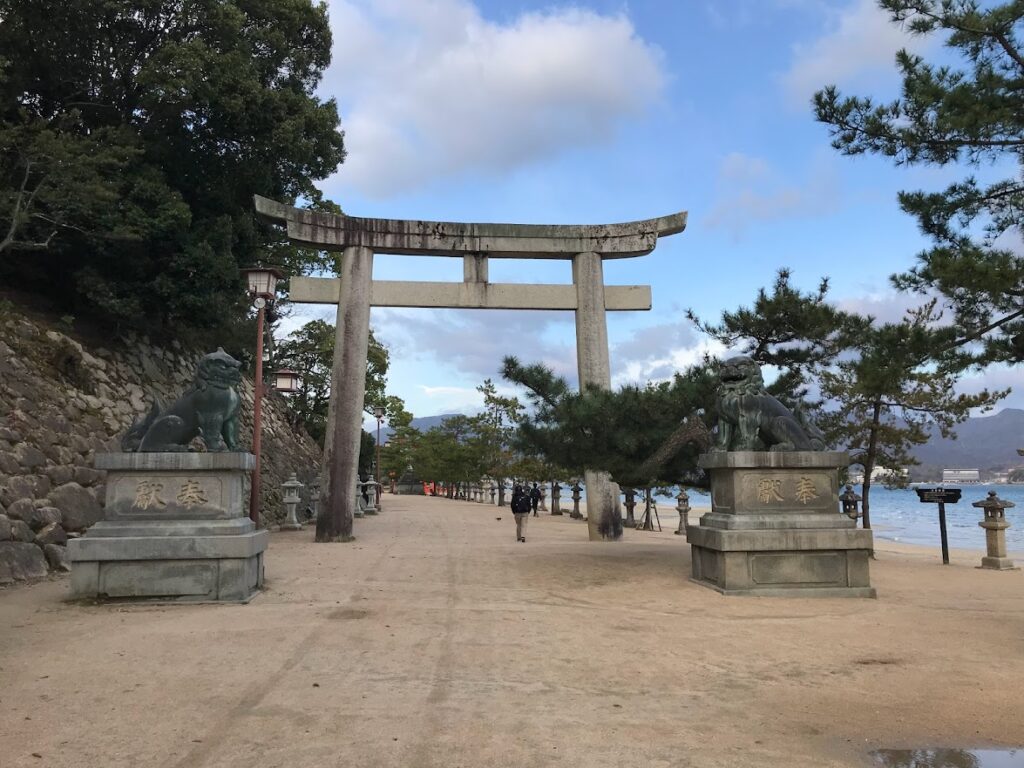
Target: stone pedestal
995, 539
774, 528
175, 528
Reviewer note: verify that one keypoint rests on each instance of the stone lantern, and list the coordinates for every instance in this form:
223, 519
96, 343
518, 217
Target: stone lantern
314, 499
372, 489
849, 499
630, 505
576, 496
493, 490
683, 508
556, 491
995, 526
291, 488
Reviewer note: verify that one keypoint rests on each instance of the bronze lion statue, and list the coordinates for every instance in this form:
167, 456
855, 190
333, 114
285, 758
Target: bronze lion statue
208, 410
749, 419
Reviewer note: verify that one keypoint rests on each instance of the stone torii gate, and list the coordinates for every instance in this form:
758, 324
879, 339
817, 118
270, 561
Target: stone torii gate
354, 291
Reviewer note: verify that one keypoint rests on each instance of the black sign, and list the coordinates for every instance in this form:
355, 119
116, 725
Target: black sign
938, 495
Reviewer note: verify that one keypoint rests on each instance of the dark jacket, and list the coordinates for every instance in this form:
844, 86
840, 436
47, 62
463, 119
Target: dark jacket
520, 503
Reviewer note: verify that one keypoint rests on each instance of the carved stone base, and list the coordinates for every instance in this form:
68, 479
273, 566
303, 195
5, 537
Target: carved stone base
174, 529
775, 528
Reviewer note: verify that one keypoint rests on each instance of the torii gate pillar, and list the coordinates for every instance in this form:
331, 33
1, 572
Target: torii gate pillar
603, 519
354, 291
348, 388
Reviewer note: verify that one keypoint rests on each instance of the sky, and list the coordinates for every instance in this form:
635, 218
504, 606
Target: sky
600, 112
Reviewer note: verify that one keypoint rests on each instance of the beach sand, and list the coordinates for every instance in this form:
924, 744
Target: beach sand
435, 639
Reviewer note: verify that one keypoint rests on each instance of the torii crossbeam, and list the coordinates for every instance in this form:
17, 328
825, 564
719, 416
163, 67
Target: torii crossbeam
354, 291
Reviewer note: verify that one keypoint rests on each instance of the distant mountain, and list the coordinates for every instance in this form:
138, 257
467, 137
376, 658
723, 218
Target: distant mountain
987, 442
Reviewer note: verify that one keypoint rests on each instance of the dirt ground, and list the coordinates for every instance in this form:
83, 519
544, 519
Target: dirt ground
435, 639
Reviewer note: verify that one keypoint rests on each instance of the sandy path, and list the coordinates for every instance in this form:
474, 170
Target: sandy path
437, 640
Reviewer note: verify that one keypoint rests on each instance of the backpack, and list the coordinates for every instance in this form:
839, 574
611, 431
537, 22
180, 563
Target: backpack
521, 505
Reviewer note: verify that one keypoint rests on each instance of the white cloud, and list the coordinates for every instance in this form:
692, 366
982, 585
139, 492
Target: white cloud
656, 352
885, 307
750, 191
996, 377
474, 342
452, 400
430, 89
858, 47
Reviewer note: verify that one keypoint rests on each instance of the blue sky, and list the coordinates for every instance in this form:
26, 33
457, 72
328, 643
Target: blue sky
593, 112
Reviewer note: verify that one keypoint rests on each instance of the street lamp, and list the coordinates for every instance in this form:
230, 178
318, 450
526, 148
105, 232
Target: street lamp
378, 412
262, 283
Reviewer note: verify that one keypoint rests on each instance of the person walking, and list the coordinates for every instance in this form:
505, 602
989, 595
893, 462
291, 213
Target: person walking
520, 511
534, 498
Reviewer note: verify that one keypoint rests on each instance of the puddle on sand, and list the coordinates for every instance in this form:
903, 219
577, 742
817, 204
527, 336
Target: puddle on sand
948, 758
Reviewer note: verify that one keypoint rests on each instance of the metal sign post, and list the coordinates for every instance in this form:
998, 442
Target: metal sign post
940, 496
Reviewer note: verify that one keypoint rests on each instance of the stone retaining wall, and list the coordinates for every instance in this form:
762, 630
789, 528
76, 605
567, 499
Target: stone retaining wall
61, 401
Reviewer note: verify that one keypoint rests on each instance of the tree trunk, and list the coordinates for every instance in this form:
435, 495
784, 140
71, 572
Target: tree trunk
869, 464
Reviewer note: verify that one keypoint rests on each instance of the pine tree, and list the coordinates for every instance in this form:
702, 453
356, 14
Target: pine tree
619, 430
494, 430
888, 394
883, 388
969, 116
789, 330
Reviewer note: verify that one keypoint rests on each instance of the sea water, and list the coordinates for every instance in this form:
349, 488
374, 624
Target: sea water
897, 515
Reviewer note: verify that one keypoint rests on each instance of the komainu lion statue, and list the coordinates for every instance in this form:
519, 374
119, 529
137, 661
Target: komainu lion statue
749, 419
208, 409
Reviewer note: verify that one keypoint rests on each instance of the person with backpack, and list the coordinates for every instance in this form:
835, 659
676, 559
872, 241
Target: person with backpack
520, 511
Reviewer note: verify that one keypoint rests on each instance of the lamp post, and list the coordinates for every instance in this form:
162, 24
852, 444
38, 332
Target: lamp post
378, 412
262, 283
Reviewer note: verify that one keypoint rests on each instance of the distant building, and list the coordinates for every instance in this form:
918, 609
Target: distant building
961, 476
878, 475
